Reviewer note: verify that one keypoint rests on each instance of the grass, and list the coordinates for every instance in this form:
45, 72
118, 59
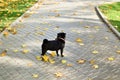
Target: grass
112, 12
10, 10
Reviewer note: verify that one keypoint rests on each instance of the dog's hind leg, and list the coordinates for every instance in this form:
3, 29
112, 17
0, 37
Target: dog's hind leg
57, 52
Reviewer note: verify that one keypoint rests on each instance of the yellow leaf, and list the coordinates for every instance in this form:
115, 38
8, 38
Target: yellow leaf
58, 74
90, 79
25, 51
24, 45
58, 15
106, 38
81, 61
38, 57
95, 66
111, 58
118, 51
35, 75
69, 65
51, 61
5, 34
29, 64
82, 44
87, 26
15, 50
4, 53
92, 61
79, 40
45, 58
95, 52
63, 61
53, 54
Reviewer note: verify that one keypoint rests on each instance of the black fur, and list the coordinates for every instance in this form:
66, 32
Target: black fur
54, 45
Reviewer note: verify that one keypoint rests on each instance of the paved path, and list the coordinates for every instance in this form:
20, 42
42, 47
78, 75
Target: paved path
79, 20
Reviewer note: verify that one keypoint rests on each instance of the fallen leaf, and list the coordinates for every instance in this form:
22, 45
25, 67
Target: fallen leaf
15, 51
82, 44
4, 53
63, 61
69, 65
110, 58
118, 51
81, 61
87, 26
53, 54
95, 66
38, 57
24, 45
35, 75
25, 51
95, 52
58, 74
79, 40
51, 61
5, 34
45, 58
92, 61
29, 64
58, 15
106, 38
90, 79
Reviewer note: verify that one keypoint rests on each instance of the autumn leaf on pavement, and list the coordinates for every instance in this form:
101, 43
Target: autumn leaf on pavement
58, 15
25, 51
53, 54
95, 52
95, 66
63, 61
24, 45
118, 51
29, 64
81, 44
81, 61
69, 65
5, 34
92, 61
4, 53
111, 58
45, 58
35, 75
79, 40
15, 50
38, 57
58, 74
51, 61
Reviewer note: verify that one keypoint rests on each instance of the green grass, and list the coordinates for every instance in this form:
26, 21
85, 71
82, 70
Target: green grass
112, 12
11, 10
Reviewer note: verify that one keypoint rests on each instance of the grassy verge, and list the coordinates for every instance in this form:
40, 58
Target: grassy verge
10, 10
112, 12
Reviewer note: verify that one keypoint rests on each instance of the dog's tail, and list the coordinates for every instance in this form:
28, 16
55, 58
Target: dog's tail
45, 41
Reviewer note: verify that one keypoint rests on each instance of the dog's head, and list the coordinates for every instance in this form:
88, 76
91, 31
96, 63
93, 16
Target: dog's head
61, 35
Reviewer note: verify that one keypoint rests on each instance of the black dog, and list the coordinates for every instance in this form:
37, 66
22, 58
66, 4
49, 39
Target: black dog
54, 45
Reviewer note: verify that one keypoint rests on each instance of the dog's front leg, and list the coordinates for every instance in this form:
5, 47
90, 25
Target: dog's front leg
57, 52
43, 52
62, 53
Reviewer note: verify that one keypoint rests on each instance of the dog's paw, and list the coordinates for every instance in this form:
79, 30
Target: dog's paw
62, 55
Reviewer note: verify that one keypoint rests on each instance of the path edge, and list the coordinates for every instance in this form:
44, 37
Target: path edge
103, 18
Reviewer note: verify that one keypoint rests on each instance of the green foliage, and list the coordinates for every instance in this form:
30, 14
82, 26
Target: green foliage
112, 12
10, 10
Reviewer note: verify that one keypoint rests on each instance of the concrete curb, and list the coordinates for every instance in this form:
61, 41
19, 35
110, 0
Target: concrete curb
107, 22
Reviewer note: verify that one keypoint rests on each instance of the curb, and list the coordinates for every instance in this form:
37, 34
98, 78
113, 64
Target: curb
102, 17
17, 21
